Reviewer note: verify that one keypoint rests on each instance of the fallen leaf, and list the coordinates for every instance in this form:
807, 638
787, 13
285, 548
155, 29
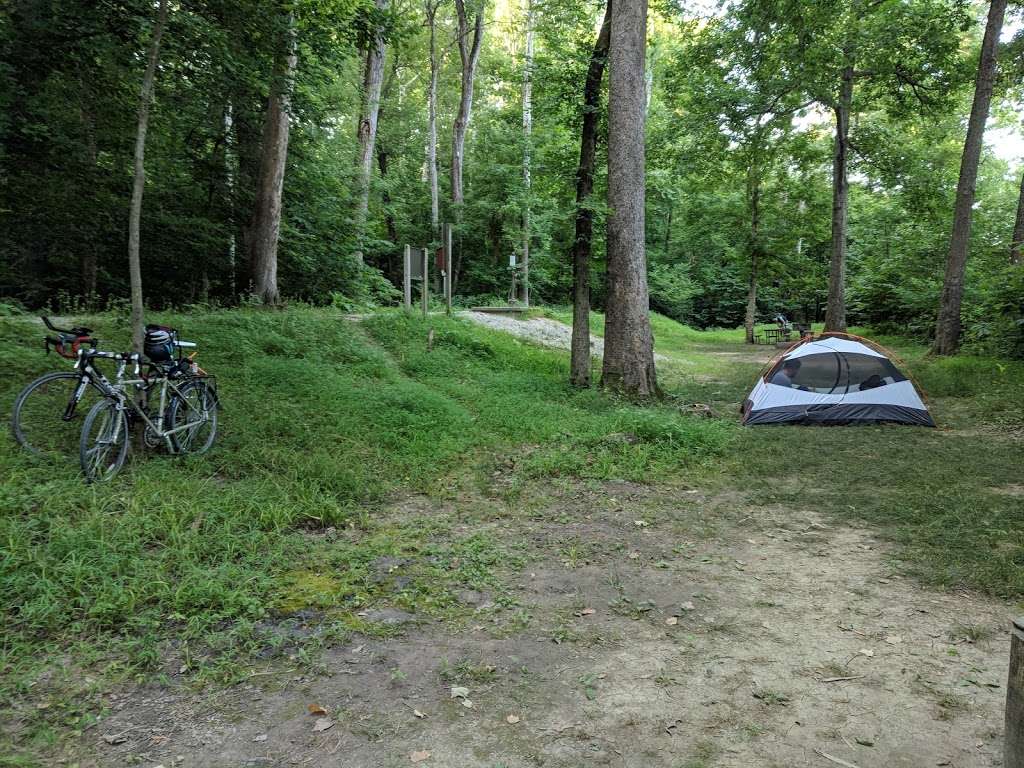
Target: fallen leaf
867, 652
672, 621
418, 714
261, 737
419, 757
586, 612
688, 606
322, 724
640, 523
458, 692
512, 719
894, 639
115, 738
316, 709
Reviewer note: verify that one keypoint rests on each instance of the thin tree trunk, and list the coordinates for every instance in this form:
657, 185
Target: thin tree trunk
229, 187
366, 133
88, 259
139, 183
1018, 228
579, 369
527, 138
628, 343
266, 227
435, 203
835, 311
469, 53
947, 328
755, 250
389, 216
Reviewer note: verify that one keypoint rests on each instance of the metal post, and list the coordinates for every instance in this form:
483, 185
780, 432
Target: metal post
448, 268
423, 286
407, 279
1013, 742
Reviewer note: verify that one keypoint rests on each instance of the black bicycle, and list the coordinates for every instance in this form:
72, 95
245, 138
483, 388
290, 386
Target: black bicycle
45, 418
175, 401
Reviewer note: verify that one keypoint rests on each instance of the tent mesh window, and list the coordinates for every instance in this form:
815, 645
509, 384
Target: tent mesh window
840, 373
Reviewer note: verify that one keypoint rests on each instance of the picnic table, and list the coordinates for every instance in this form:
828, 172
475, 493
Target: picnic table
772, 335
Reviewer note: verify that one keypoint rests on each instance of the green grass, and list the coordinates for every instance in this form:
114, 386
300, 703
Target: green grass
323, 422
327, 424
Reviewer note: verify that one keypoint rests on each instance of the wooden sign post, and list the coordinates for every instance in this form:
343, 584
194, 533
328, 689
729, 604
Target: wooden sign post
407, 279
447, 276
416, 267
425, 269
1013, 743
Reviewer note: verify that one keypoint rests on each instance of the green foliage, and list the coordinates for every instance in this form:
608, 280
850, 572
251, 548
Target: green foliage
740, 101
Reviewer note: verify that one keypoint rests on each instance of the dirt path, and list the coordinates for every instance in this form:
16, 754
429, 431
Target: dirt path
648, 627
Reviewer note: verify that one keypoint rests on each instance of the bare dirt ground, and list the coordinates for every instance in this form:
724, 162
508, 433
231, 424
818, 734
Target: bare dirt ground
648, 627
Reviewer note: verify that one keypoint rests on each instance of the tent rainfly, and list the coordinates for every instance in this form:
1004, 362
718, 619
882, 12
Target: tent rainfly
835, 379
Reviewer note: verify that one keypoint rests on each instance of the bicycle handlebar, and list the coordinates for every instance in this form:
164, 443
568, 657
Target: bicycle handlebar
77, 331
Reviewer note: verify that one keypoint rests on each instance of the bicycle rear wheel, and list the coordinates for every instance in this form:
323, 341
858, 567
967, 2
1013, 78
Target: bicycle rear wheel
104, 442
38, 420
192, 418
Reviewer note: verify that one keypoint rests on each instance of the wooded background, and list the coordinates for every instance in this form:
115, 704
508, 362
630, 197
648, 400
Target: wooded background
742, 110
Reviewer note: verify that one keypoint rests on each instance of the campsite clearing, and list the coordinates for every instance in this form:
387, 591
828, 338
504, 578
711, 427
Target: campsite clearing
846, 590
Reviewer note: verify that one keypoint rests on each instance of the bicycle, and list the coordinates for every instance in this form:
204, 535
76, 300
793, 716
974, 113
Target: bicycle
43, 419
184, 419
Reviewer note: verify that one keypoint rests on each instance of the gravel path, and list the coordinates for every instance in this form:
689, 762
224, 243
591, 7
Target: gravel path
542, 330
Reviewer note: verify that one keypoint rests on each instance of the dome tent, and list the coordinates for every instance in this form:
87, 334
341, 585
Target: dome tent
835, 379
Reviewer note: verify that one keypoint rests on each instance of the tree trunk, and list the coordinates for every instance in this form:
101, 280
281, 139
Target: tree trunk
1018, 228
579, 369
435, 203
527, 137
266, 226
628, 343
835, 312
469, 53
139, 183
389, 216
755, 250
947, 328
366, 132
88, 258
229, 189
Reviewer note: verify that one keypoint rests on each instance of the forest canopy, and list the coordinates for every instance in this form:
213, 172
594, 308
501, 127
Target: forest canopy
741, 119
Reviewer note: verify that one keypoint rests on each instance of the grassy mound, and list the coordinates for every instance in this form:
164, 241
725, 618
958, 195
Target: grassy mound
323, 420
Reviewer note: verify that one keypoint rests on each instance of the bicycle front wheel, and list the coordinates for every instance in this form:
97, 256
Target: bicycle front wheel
104, 442
192, 418
47, 414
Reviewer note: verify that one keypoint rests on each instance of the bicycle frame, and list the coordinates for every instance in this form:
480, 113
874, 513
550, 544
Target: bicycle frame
124, 404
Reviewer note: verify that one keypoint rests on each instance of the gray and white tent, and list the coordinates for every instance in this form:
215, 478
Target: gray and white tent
835, 379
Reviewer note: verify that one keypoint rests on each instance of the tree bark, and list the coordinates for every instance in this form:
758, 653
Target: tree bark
835, 310
469, 53
579, 368
947, 327
754, 185
628, 344
1018, 228
139, 182
389, 216
366, 132
266, 226
435, 198
527, 137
